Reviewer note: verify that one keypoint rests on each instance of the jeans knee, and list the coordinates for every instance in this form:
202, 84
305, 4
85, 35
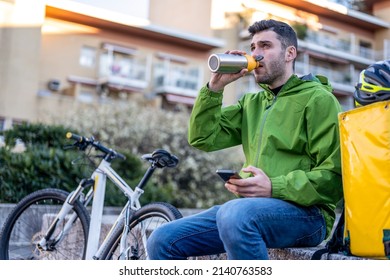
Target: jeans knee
155, 244
231, 221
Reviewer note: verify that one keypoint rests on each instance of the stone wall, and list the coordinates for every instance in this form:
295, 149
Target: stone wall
275, 254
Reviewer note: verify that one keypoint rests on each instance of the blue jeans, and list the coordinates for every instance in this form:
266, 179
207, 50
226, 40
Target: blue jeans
243, 228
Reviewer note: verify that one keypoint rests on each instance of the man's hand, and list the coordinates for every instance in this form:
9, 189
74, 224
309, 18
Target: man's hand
259, 185
219, 81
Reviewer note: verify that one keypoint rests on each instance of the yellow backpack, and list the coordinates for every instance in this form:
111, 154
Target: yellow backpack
364, 226
365, 153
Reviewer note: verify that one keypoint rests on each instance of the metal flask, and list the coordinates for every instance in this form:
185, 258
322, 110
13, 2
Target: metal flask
232, 63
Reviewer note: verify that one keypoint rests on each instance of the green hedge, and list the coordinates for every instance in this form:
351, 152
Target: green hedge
132, 130
45, 163
141, 129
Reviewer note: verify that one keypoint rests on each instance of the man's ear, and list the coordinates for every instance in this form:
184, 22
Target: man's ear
291, 53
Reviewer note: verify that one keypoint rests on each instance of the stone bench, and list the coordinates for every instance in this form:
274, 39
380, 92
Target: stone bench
305, 254
275, 254
292, 254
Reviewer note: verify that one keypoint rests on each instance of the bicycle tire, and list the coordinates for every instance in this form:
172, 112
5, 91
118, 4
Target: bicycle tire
151, 216
31, 217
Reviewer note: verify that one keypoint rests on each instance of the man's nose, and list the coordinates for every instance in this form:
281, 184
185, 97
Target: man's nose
257, 54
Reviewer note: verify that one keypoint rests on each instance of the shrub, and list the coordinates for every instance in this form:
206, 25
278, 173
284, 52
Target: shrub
131, 130
139, 130
41, 163
44, 163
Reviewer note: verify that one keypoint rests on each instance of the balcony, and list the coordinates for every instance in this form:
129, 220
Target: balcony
177, 81
337, 11
123, 69
342, 81
347, 47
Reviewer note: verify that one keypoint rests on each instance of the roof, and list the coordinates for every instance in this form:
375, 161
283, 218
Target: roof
338, 12
103, 19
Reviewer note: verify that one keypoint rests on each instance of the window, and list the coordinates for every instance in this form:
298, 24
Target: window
88, 57
365, 49
171, 71
117, 64
122, 64
2, 123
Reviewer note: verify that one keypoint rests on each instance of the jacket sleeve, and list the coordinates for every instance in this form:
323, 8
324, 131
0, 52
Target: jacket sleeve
212, 127
321, 184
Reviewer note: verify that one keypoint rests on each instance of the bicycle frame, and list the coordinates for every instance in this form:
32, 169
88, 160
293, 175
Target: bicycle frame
97, 183
99, 178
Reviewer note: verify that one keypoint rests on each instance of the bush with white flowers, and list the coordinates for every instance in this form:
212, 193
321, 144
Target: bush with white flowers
142, 129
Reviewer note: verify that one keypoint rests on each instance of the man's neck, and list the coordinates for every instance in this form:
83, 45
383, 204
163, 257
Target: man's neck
280, 82
276, 90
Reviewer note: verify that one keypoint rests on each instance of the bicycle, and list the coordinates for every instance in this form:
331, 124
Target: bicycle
54, 224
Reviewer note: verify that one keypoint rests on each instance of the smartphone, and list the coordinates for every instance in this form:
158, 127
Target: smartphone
226, 174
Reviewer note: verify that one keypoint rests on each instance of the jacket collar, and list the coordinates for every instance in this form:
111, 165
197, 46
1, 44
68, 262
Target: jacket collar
295, 83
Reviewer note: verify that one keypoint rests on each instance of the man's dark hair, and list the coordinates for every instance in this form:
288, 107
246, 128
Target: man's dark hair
285, 34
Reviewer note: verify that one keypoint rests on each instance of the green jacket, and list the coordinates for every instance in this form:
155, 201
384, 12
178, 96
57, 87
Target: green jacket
293, 137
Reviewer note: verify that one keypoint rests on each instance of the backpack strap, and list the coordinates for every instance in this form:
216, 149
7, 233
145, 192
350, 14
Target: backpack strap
336, 243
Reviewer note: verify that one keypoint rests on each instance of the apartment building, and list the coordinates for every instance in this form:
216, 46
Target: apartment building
56, 54
335, 39
59, 54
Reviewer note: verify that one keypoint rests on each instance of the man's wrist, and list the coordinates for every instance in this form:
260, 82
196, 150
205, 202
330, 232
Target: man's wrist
214, 89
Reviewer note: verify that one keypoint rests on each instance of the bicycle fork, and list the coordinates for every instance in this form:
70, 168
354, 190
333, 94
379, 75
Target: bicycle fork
47, 243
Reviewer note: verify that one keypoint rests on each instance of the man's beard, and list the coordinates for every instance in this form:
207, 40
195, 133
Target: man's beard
274, 71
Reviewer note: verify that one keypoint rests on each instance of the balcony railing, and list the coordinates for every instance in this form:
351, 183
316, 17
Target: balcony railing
344, 45
177, 79
124, 71
337, 76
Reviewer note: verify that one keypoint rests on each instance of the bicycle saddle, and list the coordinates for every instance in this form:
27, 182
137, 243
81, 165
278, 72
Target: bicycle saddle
161, 158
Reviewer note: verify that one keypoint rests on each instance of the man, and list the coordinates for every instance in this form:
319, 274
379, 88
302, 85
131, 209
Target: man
292, 174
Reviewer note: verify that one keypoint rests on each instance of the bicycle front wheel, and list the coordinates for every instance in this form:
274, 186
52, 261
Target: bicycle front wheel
30, 219
142, 224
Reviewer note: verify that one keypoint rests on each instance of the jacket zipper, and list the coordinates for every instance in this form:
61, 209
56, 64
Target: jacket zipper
267, 109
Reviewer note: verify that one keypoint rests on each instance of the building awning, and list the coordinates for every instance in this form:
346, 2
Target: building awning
174, 98
339, 12
327, 57
103, 19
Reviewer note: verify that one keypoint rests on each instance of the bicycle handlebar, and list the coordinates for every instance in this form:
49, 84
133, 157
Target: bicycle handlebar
73, 136
159, 158
83, 142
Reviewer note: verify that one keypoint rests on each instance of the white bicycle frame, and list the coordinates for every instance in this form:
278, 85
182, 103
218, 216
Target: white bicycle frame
100, 175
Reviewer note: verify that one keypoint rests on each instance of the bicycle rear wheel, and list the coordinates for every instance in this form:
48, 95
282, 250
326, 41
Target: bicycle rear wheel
30, 219
143, 222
